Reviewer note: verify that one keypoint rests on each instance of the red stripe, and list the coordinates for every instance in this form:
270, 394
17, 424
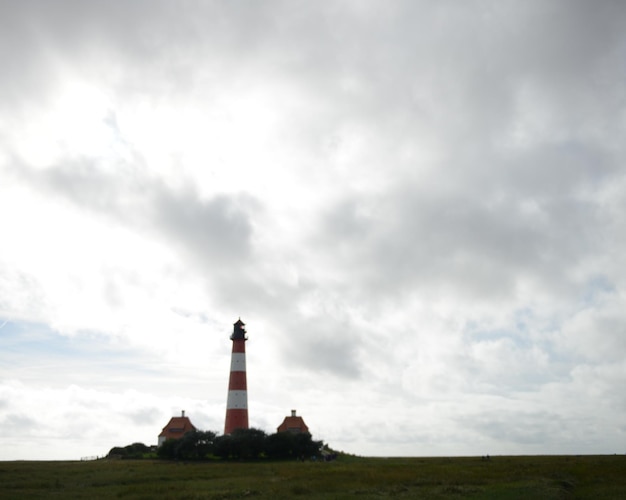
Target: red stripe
239, 346
237, 381
235, 419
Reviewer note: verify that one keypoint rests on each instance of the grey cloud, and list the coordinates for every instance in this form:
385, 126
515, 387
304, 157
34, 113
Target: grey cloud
597, 334
144, 416
217, 228
388, 69
557, 170
84, 182
505, 426
416, 237
323, 345
213, 231
137, 47
18, 423
464, 71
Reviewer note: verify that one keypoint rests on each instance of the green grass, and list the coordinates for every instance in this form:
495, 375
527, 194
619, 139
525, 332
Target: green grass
537, 477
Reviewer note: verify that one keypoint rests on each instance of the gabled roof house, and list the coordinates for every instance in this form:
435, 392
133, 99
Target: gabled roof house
293, 424
176, 428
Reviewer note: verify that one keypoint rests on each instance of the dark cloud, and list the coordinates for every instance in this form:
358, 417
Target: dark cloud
322, 345
217, 230
419, 237
144, 416
214, 231
17, 423
538, 428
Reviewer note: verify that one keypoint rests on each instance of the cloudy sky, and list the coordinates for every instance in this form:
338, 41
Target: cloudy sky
417, 207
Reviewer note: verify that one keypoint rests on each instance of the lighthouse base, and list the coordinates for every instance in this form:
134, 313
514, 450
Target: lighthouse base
235, 419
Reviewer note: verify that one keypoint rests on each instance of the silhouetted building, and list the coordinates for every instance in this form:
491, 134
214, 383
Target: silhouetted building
293, 424
176, 428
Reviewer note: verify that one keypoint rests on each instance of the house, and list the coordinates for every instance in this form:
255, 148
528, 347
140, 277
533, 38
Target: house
176, 428
293, 424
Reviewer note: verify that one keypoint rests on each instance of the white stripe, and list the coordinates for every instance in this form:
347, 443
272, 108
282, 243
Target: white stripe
237, 400
238, 362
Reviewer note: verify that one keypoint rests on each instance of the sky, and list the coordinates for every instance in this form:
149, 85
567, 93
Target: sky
418, 208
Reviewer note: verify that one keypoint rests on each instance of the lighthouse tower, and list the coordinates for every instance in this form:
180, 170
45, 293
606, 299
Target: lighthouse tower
237, 403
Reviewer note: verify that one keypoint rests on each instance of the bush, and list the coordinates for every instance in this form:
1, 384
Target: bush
242, 444
290, 445
194, 445
135, 450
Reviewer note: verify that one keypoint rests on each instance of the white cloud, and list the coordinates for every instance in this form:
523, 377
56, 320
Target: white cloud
78, 422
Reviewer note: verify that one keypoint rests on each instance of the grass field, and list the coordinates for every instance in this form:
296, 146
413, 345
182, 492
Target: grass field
598, 477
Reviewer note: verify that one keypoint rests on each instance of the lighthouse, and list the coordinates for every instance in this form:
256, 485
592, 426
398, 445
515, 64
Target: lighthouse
237, 402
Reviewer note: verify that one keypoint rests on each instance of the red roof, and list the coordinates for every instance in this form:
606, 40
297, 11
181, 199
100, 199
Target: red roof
293, 424
177, 427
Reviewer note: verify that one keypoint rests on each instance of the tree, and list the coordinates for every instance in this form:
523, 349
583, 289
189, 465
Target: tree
305, 446
194, 445
223, 446
135, 450
292, 445
167, 449
242, 444
248, 443
281, 445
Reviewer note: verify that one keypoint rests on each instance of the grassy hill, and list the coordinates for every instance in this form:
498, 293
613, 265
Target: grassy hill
534, 477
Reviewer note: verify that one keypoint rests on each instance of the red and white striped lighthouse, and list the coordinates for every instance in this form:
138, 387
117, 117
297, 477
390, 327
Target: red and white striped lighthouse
237, 403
